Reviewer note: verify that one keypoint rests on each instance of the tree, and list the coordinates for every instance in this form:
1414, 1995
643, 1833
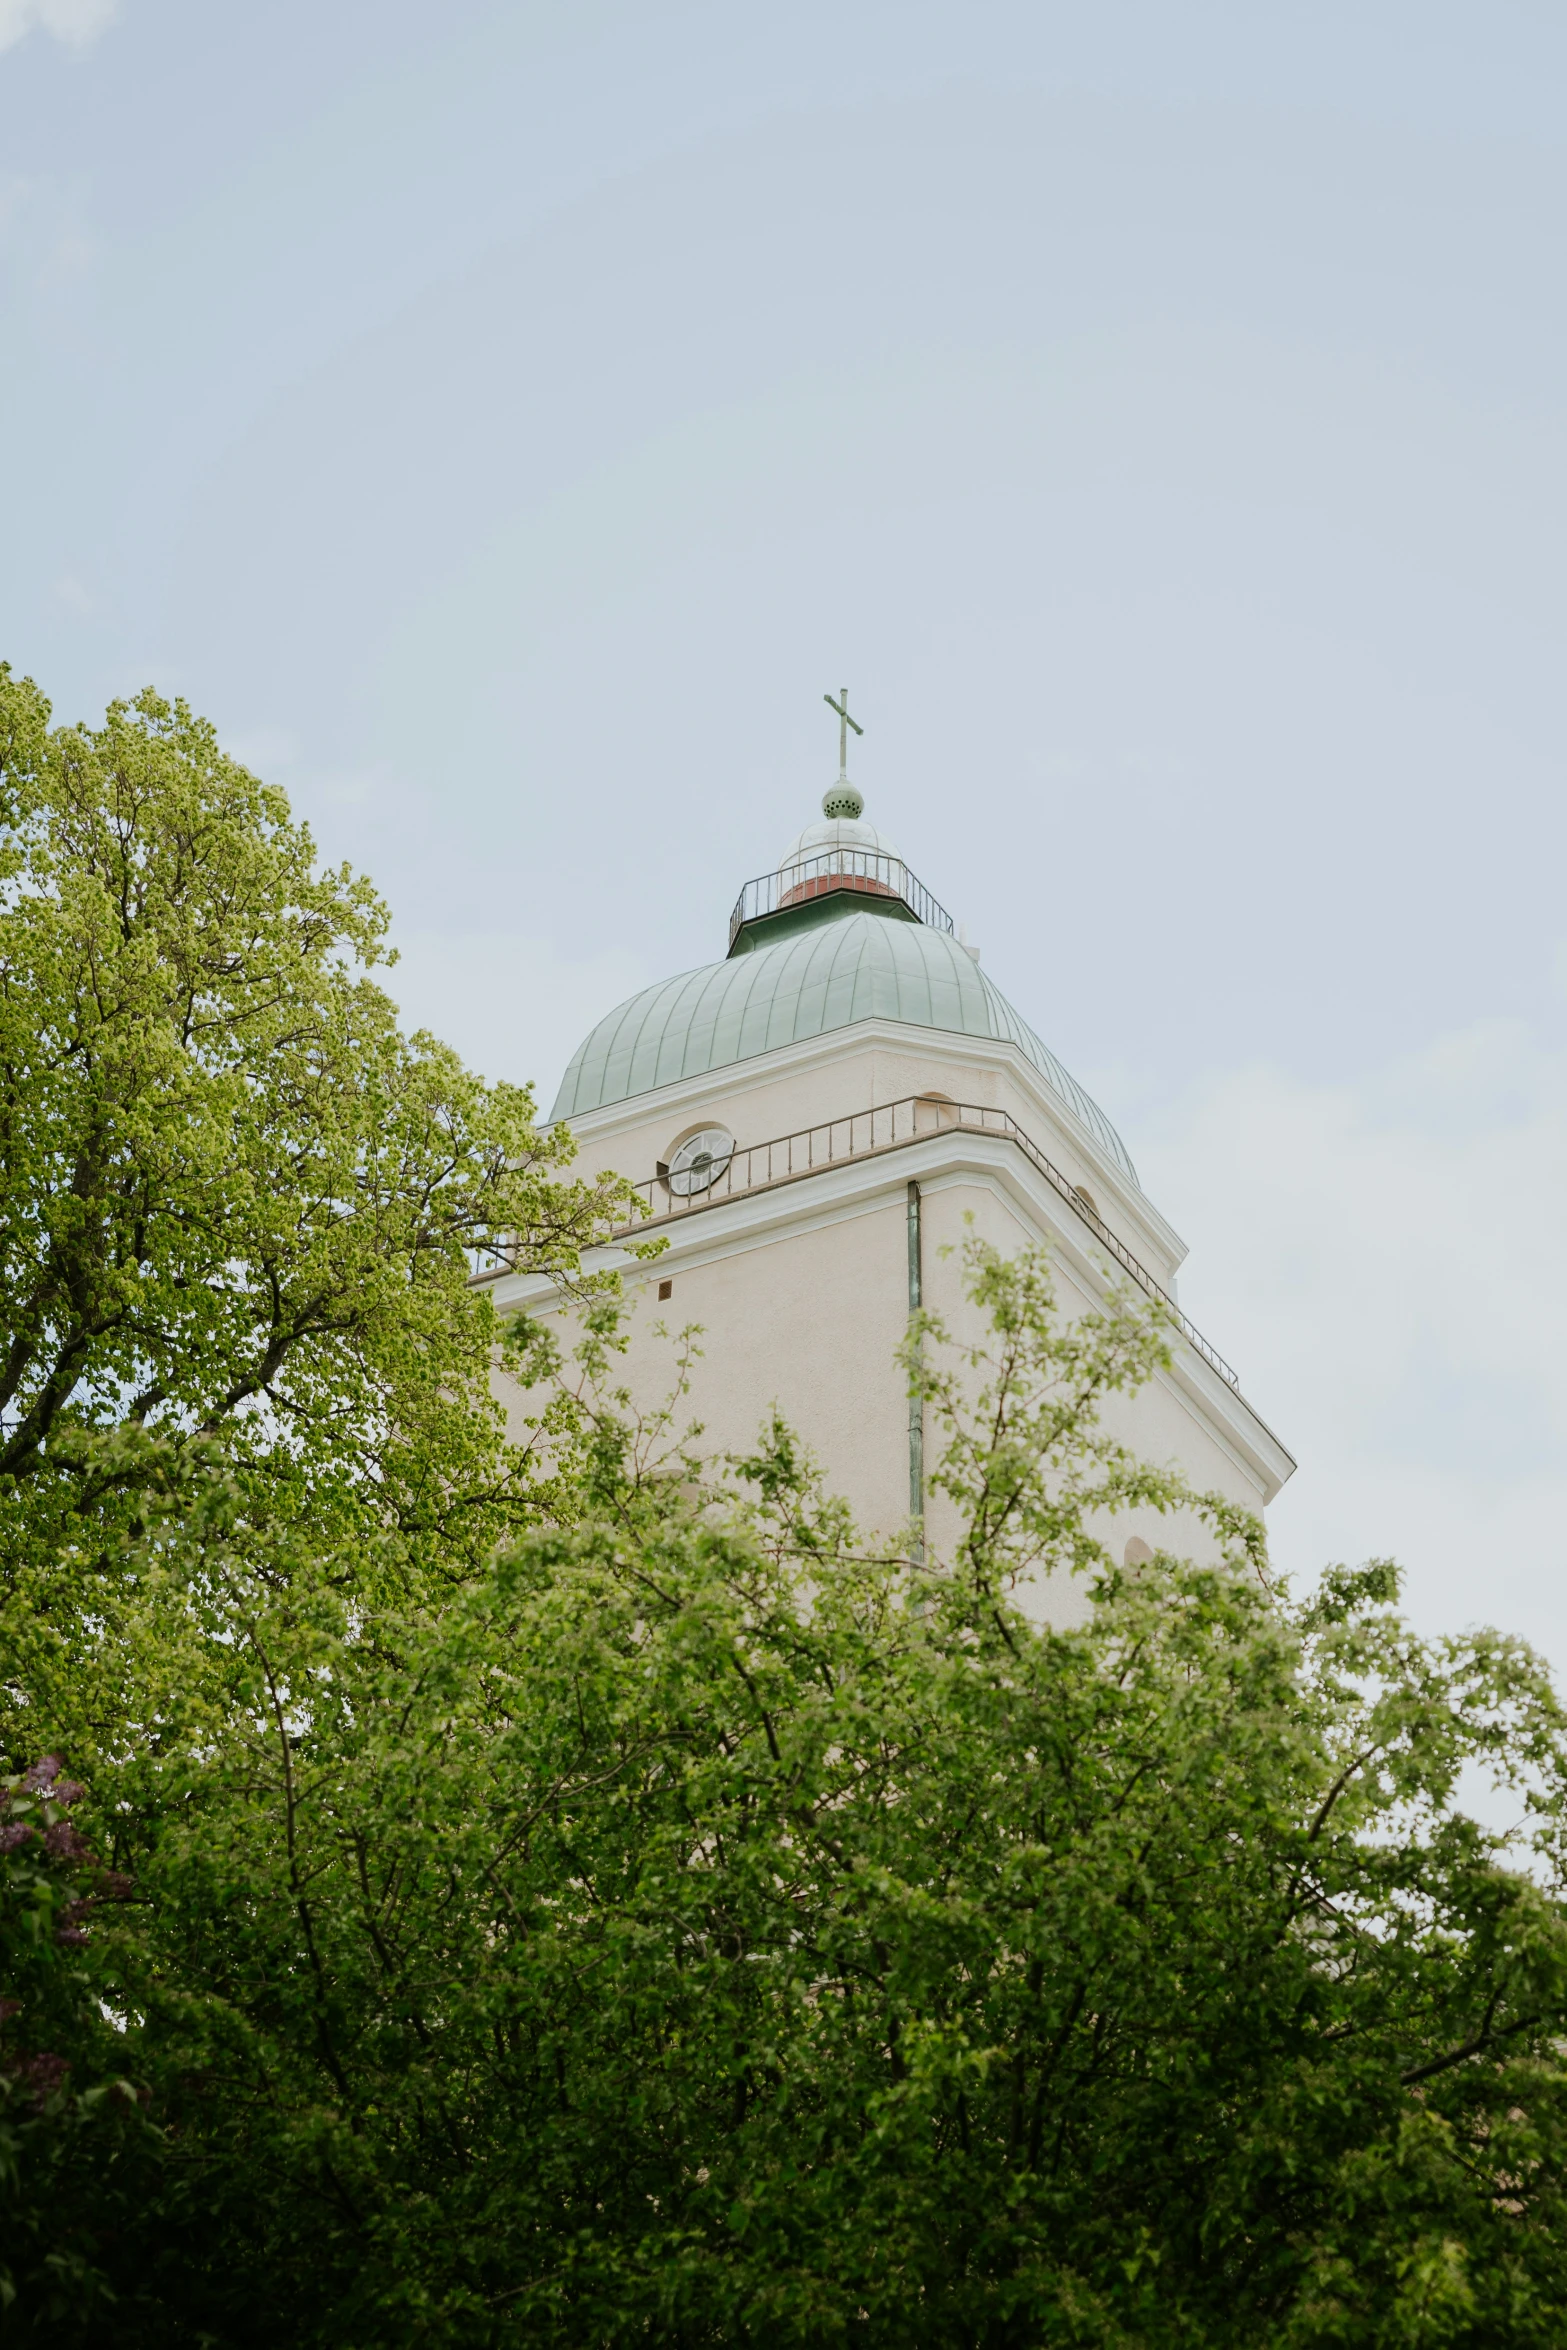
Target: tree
239, 1211
238, 1208
77, 2157
721, 1932
573, 1892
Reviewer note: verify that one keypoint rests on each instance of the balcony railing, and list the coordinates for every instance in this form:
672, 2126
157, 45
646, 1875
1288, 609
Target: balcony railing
860, 872
763, 1166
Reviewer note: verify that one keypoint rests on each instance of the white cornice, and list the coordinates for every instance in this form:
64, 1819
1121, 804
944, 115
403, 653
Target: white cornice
1133, 1206
954, 1155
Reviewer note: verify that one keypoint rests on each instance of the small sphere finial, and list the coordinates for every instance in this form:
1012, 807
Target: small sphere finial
843, 800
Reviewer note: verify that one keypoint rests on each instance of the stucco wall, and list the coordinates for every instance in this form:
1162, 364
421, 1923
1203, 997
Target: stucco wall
801, 1290
850, 1071
807, 1313
808, 1321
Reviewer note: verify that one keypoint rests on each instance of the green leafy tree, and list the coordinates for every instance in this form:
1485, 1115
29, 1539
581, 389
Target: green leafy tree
239, 1215
77, 2157
705, 1929
573, 1893
238, 1207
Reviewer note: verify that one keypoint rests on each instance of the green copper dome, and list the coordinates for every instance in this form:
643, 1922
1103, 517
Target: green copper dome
810, 982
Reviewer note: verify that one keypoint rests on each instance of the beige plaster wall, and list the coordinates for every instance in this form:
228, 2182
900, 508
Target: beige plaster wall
809, 1318
802, 1293
810, 1322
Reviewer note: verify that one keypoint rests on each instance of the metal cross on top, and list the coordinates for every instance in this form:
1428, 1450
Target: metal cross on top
844, 724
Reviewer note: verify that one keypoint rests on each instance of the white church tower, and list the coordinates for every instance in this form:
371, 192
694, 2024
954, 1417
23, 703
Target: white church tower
811, 1121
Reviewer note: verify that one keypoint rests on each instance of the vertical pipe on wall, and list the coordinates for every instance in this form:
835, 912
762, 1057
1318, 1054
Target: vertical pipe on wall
916, 1398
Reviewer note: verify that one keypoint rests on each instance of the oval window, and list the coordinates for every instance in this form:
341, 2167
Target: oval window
699, 1162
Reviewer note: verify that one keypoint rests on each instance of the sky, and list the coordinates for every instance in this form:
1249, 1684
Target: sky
506, 421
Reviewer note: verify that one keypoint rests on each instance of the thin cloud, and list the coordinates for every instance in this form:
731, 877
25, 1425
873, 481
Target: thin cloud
1385, 1258
76, 24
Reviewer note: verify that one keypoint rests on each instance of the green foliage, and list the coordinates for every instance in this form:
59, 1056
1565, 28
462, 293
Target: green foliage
702, 1929
77, 2159
576, 1894
239, 1211
238, 1208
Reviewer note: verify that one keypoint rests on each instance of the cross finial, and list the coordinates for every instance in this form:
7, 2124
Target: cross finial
844, 724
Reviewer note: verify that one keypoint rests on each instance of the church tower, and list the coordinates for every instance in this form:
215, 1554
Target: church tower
811, 1120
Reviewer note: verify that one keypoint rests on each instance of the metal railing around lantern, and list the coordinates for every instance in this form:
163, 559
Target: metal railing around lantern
867, 1134
860, 872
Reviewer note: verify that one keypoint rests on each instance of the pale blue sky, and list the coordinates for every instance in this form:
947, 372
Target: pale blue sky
506, 421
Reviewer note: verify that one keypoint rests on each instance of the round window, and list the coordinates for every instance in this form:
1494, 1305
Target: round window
700, 1161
